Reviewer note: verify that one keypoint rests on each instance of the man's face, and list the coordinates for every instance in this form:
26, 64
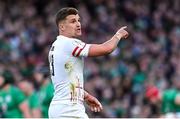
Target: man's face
23, 86
71, 26
38, 77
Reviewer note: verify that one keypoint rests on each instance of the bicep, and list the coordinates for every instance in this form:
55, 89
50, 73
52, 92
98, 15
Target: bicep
177, 100
98, 50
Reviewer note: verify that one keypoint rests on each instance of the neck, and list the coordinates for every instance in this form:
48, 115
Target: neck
65, 34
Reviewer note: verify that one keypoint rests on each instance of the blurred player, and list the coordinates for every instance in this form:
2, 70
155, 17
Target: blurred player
32, 97
45, 91
12, 99
66, 65
169, 99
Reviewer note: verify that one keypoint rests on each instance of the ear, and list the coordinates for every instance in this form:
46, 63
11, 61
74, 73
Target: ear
61, 26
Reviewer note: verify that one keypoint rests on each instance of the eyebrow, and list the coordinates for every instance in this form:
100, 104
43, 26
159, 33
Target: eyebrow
72, 19
75, 19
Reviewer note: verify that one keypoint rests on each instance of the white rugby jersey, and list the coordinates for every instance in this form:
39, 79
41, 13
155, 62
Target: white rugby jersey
66, 65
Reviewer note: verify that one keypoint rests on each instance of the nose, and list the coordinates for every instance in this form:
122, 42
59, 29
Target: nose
78, 24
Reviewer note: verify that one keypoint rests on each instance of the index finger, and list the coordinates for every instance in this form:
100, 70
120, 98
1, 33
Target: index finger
124, 27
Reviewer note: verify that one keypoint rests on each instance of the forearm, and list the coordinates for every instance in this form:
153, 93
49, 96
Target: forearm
86, 94
108, 46
25, 110
36, 113
111, 44
26, 113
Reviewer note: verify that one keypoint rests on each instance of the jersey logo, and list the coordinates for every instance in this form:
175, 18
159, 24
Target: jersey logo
68, 67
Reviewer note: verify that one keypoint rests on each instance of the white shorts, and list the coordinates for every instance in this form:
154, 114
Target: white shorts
70, 111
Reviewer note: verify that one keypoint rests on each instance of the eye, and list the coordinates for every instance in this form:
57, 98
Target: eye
79, 20
73, 21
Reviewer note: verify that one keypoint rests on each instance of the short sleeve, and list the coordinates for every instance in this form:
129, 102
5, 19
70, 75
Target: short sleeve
34, 101
18, 95
80, 49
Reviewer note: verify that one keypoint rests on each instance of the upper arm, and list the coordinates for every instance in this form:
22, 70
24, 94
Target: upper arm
98, 50
177, 99
35, 109
80, 48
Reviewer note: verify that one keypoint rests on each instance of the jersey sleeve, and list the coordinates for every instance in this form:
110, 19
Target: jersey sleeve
34, 101
18, 95
80, 49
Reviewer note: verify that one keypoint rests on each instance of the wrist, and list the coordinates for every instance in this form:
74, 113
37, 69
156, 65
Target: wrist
118, 36
85, 95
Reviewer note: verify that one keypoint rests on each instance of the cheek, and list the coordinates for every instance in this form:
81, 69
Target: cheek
70, 27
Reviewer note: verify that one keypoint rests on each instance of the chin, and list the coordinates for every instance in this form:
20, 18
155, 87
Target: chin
78, 35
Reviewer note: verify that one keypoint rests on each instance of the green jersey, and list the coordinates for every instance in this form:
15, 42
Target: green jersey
33, 101
9, 102
45, 97
168, 101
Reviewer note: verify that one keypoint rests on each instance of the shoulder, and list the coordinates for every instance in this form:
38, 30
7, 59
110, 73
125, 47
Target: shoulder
15, 89
62, 40
78, 43
169, 94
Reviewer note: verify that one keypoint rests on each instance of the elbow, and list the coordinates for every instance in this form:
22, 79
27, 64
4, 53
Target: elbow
109, 50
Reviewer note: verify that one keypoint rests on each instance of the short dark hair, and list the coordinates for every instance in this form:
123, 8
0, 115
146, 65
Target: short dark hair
64, 12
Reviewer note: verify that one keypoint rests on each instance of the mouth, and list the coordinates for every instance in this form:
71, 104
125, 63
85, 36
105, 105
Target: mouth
79, 29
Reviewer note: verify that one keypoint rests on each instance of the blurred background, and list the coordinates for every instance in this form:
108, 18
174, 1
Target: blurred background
149, 56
